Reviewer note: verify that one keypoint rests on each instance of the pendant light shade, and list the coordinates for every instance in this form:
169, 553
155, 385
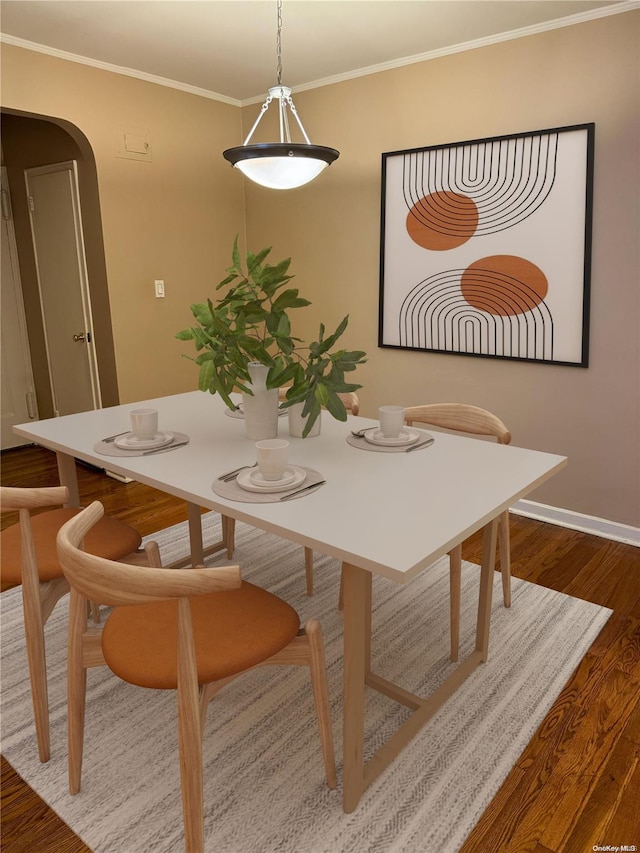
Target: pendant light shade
285, 164
281, 166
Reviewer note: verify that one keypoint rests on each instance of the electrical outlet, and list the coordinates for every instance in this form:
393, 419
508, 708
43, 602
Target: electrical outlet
159, 285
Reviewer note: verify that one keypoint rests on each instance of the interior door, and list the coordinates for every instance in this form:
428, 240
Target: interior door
56, 225
18, 395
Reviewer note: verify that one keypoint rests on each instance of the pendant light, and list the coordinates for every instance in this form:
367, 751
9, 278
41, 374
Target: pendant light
285, 164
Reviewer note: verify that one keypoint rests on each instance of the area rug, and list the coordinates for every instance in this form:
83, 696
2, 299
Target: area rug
263, 776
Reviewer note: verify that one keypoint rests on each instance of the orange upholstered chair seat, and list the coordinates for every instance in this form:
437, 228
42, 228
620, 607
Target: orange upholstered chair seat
192, 630
109, 538
233, 630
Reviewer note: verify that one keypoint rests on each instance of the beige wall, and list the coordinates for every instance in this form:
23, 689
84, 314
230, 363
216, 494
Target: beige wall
176, 217
173, 218
331, 229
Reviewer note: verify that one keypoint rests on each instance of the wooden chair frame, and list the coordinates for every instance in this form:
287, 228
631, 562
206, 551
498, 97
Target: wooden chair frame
38, 598
116, 584
471, 420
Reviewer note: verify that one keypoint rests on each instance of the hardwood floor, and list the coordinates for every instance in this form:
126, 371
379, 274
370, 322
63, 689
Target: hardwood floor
577, 785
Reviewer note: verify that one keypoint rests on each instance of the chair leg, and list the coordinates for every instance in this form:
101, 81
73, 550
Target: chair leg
321, 697
229, 534
189, 734
34, 634
455, 573
308, 568
76, 688
505, 556
209, 692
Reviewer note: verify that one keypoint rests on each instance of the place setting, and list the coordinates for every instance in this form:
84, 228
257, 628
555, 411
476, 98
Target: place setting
391, 435
270, 478
143, 439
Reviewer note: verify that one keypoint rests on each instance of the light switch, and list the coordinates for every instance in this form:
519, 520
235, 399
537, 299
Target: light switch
159, 285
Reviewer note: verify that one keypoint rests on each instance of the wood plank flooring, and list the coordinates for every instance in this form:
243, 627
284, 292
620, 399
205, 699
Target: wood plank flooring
577, 784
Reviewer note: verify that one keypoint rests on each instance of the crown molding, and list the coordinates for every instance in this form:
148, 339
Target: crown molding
118, 69
523, 32
568, 21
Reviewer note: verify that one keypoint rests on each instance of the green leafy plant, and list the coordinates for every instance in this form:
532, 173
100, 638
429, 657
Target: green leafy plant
319, 377
250, 323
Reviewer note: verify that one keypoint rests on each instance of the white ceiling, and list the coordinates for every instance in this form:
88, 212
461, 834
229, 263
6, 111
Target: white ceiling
228, 47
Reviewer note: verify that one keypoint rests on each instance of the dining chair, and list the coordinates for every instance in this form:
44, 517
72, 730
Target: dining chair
472, 420
29, 559
352, 405
189, 630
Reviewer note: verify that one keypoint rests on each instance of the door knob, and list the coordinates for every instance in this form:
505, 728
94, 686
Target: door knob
80, 337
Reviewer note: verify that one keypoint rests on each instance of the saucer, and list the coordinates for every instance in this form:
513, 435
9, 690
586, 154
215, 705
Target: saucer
130, 442
406, 436
246, 481
258, 479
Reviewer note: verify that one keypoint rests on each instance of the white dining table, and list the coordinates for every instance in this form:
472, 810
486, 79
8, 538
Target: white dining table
388, 514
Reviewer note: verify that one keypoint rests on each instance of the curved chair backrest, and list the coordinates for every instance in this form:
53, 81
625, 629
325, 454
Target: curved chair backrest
12, 498
351, 401
24, 500
349, 398
112, 583
460, 417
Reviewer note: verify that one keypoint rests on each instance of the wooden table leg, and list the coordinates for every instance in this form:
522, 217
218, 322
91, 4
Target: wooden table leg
486, 588
195, 535
68, 477
357, 644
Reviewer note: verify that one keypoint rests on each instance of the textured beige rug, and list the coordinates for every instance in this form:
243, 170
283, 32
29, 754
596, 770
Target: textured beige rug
264, 789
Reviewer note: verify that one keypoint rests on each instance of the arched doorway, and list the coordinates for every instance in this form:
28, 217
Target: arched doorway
30, 141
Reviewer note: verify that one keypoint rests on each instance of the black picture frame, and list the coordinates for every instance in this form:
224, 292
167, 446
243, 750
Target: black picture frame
485, 247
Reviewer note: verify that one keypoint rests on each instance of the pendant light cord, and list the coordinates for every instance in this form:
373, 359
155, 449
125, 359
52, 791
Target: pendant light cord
279, 43
286, 164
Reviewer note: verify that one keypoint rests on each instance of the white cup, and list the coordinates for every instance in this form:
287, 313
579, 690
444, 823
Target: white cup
391, 420
144, 423
272, 455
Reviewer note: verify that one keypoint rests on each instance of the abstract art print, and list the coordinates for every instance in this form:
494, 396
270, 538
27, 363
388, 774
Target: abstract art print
485, 247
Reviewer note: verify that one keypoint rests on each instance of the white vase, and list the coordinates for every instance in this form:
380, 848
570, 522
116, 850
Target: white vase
261, 408
297, 423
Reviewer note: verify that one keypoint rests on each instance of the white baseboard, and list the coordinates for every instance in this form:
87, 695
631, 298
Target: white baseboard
577, 521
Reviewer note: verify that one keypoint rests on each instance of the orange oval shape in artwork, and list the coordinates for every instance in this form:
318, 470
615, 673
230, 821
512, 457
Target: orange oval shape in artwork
442, 220
504, 285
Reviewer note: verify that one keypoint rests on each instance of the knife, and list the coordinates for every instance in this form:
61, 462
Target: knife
304, 489
421, 444
163, 449
111, 438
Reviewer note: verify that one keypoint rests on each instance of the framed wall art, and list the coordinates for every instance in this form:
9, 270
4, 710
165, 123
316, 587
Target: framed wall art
485, 247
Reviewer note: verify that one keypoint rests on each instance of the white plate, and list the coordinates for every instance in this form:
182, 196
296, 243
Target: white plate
245, 481
130, 442
257, 478
406, 436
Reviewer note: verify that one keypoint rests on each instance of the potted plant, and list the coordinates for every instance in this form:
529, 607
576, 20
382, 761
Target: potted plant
319, 377
248, 330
